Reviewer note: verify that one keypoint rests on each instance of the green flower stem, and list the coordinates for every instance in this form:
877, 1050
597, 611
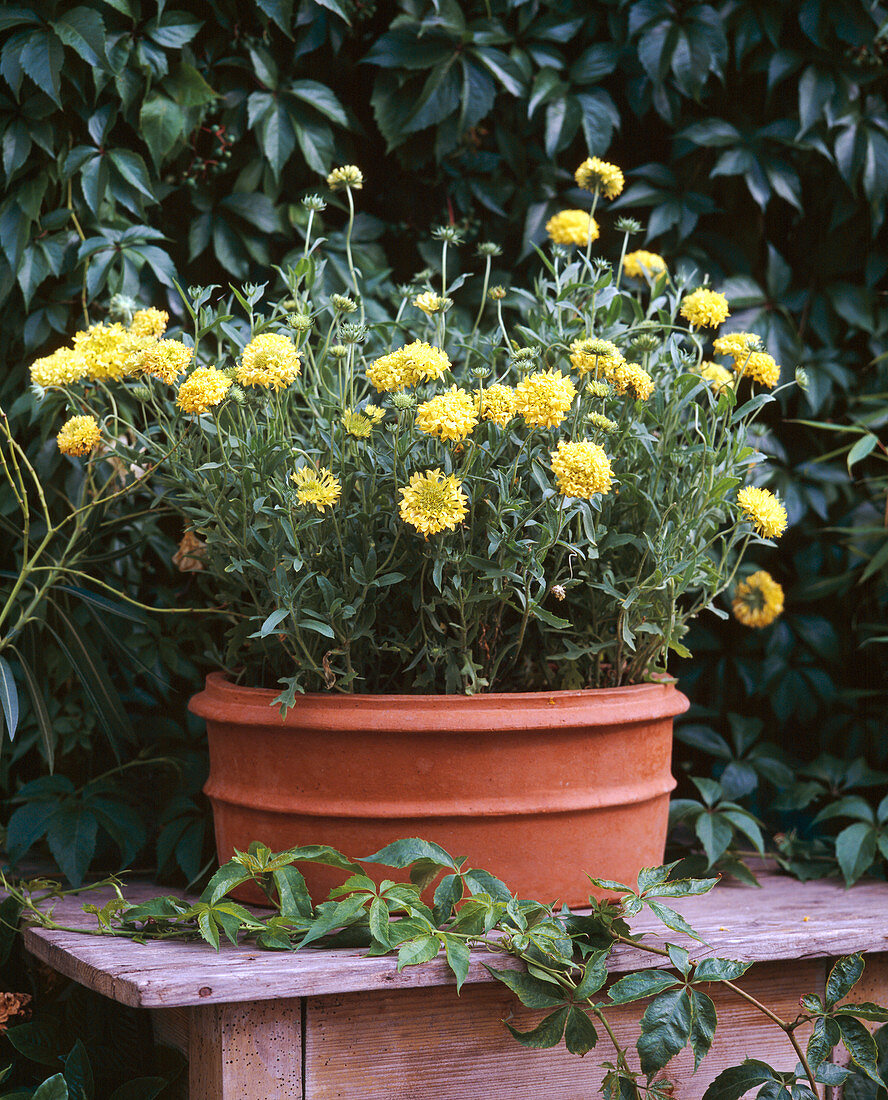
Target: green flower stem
487, 266
348, 249
622, 258
595, 195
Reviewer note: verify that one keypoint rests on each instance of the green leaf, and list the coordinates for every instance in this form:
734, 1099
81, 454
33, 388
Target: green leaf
824, 1036
8, 697
580, 1035
546, 1034
845, 973
861, 449
71, 836
458, 958
293, 894
78, 1073
719, 970
530, 991
10, 911
482, 882
665, 1029
866, 1010
419, 950
162, 123
84, 31
224, 881
448, 894
735, 1082
401, 853
672, 919
856, 850
54, 1088
42, 57
594, 975
643, 983
38, 1041
321, 98
715, 834
703, 1026
860, 1045
131, 166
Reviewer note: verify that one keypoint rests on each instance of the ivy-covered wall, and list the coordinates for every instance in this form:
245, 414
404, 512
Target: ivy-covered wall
144, 143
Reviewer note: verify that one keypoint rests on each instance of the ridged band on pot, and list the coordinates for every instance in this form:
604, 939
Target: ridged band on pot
536, 787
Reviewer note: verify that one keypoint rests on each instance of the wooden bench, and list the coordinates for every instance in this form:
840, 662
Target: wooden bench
319, 1024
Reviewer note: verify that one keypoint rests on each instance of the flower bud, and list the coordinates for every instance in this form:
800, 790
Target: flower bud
339, 351
496, 293
314, 202
343, 303
488, 248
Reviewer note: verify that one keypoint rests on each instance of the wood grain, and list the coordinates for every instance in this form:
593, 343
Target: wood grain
783, 920
433, 1043
246, 1051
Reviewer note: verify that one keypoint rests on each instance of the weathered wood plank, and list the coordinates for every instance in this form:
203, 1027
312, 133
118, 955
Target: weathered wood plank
784, 919
246, 1051
432, 1043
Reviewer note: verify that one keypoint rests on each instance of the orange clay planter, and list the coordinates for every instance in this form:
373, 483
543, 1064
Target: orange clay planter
535, 787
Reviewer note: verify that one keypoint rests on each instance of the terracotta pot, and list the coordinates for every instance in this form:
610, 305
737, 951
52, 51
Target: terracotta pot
535, 787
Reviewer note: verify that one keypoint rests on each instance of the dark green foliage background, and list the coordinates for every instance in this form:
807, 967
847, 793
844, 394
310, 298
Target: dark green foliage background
142, 142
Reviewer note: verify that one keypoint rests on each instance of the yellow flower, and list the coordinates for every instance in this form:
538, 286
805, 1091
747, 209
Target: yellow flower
599, 357
433, 502
149, 322
318, 487
62, 368
496, 403
166, 360
449, 415
643, 265
759, 365
79, 435
408, 366
204, 388
630, 376
374, 412
758, 600
110, 351
357, 424
602, 422
718, 377
349, 175
429, 302
572, 227
598, 175
705, 308
269, 360
582, 469
544, 397
764, 511
736, 344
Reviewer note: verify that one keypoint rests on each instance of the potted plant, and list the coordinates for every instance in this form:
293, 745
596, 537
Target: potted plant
450, 554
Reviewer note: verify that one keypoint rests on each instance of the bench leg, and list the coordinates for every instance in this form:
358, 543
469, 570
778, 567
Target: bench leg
246, 1051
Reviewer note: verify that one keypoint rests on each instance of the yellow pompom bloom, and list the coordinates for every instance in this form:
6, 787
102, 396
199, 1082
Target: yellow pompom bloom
269, 360
202, 390
408, 366
357, 424
429, 302
349, 175
763, 510
582, 469
544, 398
62, 368
718, 377
630, 376
641, 264
433, 502
598, 357
598, 175
449, 415
166, 360
496, 403
572, 227
110, 351
318, 487
758, 600
79, 435
760, 366
149, 322
736, 344
705, 308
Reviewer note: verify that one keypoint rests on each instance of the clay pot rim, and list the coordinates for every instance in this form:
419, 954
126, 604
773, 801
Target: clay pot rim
493, 712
